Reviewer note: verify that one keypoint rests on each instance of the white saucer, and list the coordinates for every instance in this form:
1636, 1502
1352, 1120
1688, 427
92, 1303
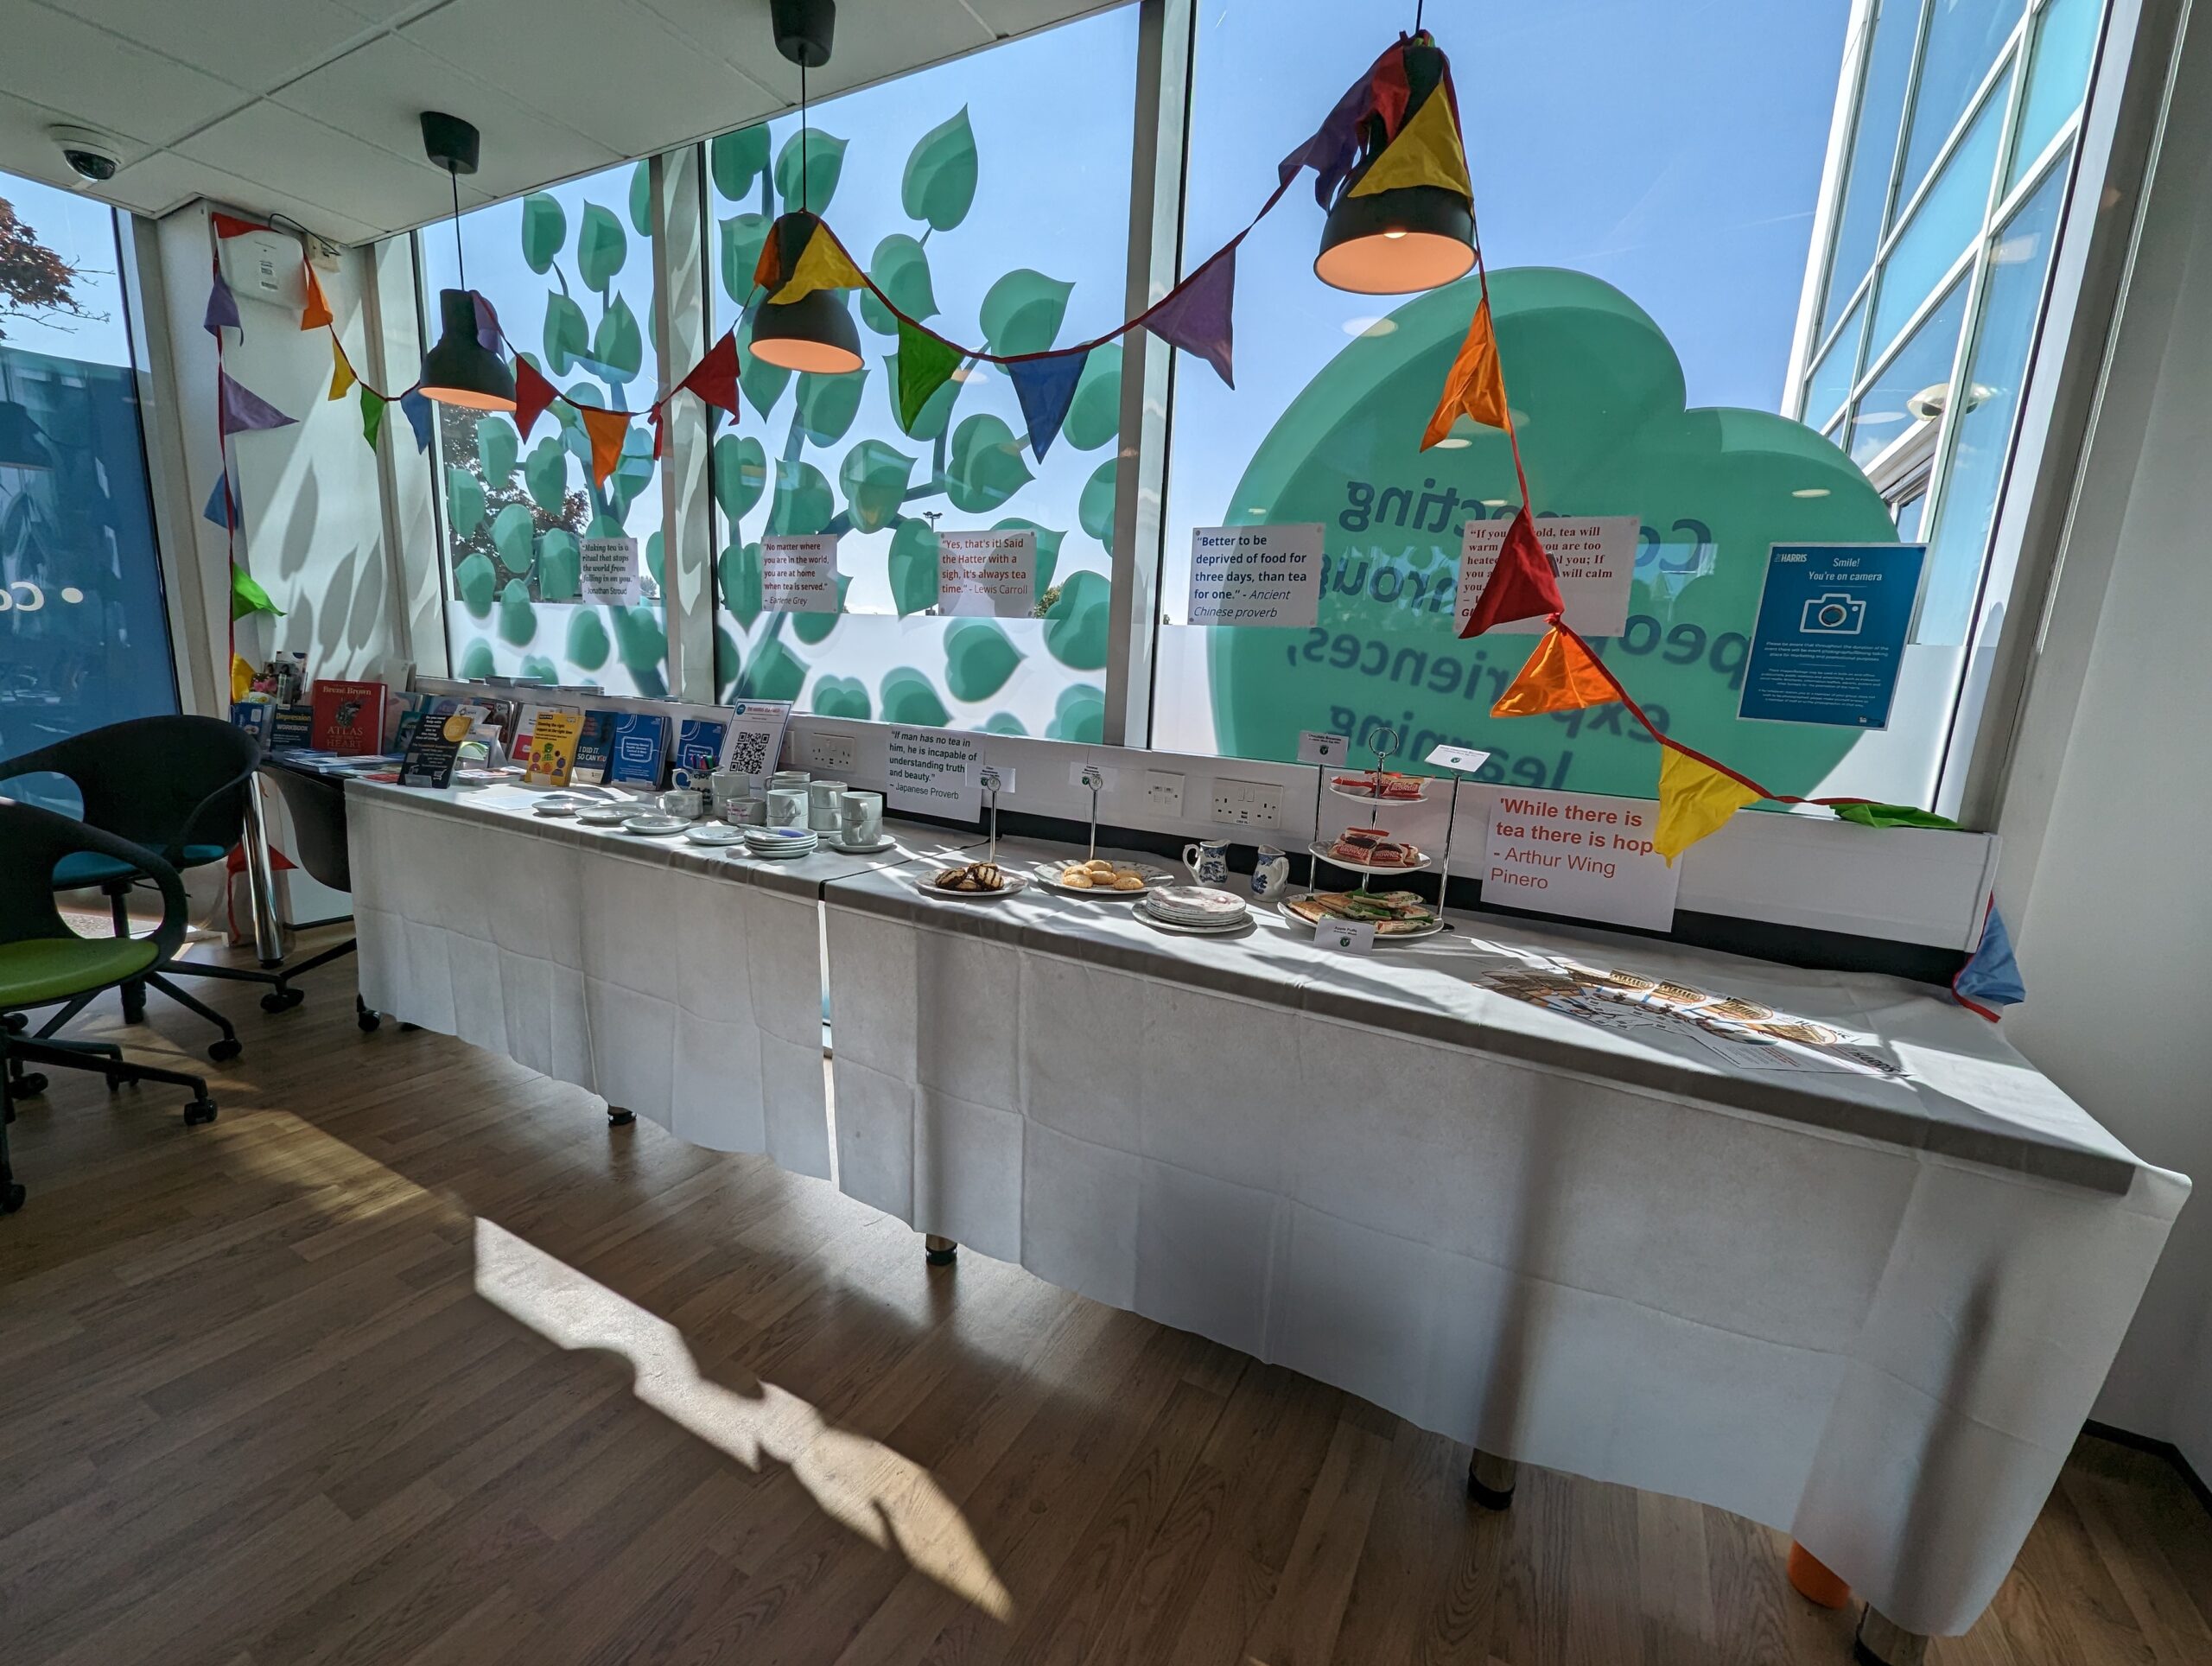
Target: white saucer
715, 833
654, 826
604, 815
858, 849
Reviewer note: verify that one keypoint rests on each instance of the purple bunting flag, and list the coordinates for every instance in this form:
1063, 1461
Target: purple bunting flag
245, 411
489, 336
222, 308
417, 407
219, 503
1196, 317
1046, 388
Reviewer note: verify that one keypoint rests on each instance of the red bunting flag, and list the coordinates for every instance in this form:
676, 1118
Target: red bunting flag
713, 378
1475, 386
606, 429
532, 394
317, 313
1521, 586
653, 415
229, 225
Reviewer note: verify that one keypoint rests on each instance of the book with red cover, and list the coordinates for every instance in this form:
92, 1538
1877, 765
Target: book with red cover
348, 717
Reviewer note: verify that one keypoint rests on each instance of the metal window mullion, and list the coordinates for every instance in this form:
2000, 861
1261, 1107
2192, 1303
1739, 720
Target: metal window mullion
676, 186
1957, 136
1161, 154
415, 512
1937, 293
1827, 209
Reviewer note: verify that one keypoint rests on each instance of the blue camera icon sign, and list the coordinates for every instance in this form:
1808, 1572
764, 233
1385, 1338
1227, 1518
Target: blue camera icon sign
1834, 612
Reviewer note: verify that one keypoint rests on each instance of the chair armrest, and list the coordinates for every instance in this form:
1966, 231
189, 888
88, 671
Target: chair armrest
168, 936
224, 808
54, 759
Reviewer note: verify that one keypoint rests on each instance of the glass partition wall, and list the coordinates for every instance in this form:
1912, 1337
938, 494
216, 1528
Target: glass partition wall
1800, 306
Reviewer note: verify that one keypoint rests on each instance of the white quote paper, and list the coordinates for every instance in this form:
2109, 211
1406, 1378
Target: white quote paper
1579, 854
987, 575
1594, 558
1256, 575
799, 575
608, 571
932, 773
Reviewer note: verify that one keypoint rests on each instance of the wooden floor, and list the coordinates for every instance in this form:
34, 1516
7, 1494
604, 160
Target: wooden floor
411, 1358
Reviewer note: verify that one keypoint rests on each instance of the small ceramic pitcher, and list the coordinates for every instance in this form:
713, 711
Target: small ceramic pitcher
1270, 874
1208, 860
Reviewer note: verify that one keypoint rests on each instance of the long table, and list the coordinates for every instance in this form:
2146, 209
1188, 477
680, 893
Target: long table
1873, 1312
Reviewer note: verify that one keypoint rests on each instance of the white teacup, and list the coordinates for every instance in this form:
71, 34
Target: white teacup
821, 796
683, 801
860, 819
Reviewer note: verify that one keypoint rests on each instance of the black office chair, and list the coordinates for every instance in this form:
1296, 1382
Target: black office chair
318, 807
42, 960
176, 786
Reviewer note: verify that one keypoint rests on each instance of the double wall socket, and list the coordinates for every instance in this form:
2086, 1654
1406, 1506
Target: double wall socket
833, 753
1247, 804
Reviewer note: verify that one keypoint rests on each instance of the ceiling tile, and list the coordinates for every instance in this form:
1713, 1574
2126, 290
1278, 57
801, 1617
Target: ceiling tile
167, 182
256, 44
104, 82
377, 93
869, 46
317, 164
26, 151
1008, 18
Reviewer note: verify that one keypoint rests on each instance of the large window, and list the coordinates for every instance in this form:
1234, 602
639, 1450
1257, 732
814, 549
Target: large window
990, 197
570, 271
84, 633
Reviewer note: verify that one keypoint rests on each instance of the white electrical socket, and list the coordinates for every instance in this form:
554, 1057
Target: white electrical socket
1163, 794
1247, 804
836, 752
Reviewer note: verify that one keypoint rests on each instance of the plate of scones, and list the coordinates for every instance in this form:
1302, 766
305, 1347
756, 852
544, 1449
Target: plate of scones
1097, 877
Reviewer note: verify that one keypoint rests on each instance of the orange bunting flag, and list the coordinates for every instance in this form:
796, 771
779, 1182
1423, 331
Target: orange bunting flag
1521, 586
1476, 385
1694, 799
1426, 151
318, 310
607, 430
342, 371
1560, 676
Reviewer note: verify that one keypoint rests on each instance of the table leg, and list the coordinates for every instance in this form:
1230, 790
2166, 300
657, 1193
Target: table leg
261, 882
937, 1251
1882, 1642
1490, 1479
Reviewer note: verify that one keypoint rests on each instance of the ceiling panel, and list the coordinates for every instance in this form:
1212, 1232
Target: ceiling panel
377, 93
25, 150
358, 180
166, 182
256, 44
873, 40
103, 81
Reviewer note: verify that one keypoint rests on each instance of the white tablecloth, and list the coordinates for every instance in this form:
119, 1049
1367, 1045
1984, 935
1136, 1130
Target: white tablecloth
1873, 1314
680, 983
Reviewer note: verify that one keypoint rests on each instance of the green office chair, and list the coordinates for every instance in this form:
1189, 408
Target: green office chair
176, 786
42, 960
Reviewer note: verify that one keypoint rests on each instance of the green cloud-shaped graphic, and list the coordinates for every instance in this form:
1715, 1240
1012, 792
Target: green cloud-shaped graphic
1599, 395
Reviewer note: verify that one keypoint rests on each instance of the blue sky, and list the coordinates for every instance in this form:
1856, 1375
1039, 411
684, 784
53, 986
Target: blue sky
82, 230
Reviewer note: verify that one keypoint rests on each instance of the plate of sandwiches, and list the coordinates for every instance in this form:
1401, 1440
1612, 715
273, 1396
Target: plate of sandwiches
1395, 913
1379, 784
973, 880
1370, 847
1100, 878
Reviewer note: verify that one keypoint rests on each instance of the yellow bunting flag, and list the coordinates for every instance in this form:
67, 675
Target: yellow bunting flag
1476, 383
606, 429
1426, 151
241, 678
1694, 799
1560, 676
824, 266
318, 309
342, 371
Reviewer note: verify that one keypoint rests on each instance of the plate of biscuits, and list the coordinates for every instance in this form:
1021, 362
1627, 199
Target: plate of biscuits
973, 880
1098, 877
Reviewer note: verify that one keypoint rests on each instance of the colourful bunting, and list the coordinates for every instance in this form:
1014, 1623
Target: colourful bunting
1195, 316
607, 429
248, 597
1872, 815
1521, 586
532, 394
222, 308
316, 315
372, 403
341, 368
824, 264
247, 412
1991, 977
417, 408
653, 415
1562, 674
713, 378
1045, 387
925, 363
230, 226
1696, 799
1333, 149
1475, 386
1426, 151
489, 335
219, 502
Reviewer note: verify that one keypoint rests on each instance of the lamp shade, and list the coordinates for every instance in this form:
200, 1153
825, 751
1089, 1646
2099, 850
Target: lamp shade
814, 333
1410, 236
460, 370
22, 446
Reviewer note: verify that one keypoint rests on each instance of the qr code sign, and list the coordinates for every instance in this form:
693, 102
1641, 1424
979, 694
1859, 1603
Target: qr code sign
748, 751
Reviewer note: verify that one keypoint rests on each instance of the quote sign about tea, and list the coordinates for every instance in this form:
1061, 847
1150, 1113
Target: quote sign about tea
1580, 855
1594, 556
987, 575
799, 575
1256, 575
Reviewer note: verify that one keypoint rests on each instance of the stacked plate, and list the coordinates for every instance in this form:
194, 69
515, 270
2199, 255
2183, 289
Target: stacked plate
779, 844
1200, 908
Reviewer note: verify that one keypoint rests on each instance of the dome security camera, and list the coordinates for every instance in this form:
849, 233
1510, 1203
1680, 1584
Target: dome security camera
91, 155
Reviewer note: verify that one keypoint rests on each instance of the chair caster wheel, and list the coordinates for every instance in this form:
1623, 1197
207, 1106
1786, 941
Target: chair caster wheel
199, 1113
368, 1022
282, 1000
227, 1049
28, 1085
617, 1118
11, 1198
16, 1023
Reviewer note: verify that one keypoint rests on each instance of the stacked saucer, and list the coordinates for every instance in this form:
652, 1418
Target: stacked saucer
779, 844
1194, 908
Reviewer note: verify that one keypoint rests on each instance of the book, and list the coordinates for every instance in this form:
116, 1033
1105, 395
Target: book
526, 724
637, 745
699, 746
552, 752
436, 744
348, 717
593, 748
410, 720
255, 716
292, 730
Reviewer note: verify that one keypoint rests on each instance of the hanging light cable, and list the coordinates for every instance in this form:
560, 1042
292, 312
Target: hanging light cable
814, 331
460, 370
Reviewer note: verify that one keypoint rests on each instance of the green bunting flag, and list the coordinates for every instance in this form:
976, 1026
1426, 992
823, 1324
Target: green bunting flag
371, 414
248, 597
926, 365
1891, 816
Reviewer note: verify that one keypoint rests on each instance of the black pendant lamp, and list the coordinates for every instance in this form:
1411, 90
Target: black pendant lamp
1415, 237
460, 370
814, 333
22, 445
